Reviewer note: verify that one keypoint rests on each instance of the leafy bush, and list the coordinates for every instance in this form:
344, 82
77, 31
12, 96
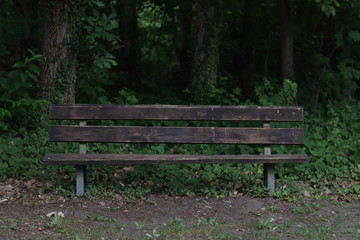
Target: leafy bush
268, 96
22, 81
21, 156
17, 94
331, 140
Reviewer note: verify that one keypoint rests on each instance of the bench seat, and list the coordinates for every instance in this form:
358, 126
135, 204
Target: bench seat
115, 159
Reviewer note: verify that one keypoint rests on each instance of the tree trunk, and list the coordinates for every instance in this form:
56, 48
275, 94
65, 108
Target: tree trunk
58, 71
248, 63
183, 47
287, 38
130, 55
206, 53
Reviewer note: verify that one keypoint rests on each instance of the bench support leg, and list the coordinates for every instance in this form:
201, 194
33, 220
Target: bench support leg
269, 168
269, 176
81, 169
80, 180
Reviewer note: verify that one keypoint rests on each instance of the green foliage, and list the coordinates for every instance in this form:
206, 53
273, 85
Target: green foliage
341, 81
267, 224
328, 6
155, 234
22, 81
98, 25
159, 62
126, 96
8, 224
55, 220
4, 115
100, 218
269, 95
333, 142
17, 92
212, 94
152, 18
20, 156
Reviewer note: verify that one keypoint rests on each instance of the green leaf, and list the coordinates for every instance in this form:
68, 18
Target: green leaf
357, 188
36, 57
23, 76
13, 226
19, 65
98, 3
344, 70
356, 73
159, 149
354, 35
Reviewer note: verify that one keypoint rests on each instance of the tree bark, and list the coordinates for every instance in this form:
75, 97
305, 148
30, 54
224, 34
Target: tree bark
183, 47
130, 55
206, 53
58, 71
287, 39
248, 63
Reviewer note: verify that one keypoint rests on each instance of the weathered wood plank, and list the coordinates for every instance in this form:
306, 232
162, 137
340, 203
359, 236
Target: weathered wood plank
175, 112
113, 159
176, 135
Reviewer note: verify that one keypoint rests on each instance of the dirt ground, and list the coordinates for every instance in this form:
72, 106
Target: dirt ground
23, 215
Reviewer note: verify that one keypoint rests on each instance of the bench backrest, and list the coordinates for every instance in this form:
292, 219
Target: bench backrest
154, 134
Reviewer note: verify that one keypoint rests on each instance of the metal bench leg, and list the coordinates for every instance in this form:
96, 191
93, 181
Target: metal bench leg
269, 176
80, 180
269, 168
81, 169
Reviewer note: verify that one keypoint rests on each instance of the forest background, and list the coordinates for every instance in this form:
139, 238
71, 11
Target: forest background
230, 52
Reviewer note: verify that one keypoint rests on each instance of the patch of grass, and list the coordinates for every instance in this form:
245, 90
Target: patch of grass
155, 234
302, 230
273, 208
348, 231
100, 218
286, 225
267, 224
204, 228
298, 210
257, 234
206, 221
139, 226
8, 224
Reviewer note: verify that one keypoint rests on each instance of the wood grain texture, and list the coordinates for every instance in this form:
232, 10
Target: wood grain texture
113, 159
117, 134
175, 112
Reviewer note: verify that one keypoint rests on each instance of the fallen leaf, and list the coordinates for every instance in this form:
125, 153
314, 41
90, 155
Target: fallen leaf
116, 175
306, 193
53, 214
31, 181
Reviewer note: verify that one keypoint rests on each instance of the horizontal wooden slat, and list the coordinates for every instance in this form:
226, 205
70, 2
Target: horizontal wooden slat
113, 159
176, 135
175, 112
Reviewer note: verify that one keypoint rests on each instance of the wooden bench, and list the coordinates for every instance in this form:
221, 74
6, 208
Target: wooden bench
263, 135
